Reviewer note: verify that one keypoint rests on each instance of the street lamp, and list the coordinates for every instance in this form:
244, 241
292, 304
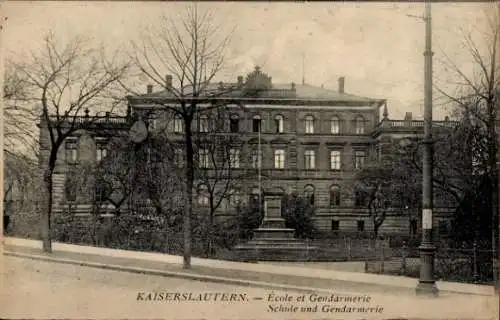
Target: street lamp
427, 284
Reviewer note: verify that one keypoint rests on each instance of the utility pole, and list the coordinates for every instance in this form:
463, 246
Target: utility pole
427, 283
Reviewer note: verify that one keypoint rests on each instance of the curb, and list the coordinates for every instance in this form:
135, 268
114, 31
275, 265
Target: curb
182, 275
217, 279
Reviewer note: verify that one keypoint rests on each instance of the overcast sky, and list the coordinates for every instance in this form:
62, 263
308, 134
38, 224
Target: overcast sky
376, 46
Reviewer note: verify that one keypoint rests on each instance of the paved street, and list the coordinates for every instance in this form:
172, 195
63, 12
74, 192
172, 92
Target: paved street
35, 289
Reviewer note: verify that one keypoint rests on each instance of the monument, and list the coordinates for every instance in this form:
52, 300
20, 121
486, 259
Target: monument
273, 241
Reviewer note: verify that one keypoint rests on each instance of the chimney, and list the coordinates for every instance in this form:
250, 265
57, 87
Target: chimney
293, 86
149, 88
341, 84
446, 118
240, 80
168, 81
108, 114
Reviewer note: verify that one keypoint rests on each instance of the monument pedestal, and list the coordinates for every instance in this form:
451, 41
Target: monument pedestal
272, 241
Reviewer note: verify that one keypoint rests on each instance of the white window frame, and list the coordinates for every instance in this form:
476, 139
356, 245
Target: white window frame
279, 159
203, 158
335, 160
309, 122
279, 121
359, 159
310, 159
202, 196
178, 124
360, 125
335, 125
101, 153
234, 158
203, 123
257, 159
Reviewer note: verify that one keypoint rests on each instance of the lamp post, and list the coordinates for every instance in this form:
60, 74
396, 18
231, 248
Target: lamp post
427, 284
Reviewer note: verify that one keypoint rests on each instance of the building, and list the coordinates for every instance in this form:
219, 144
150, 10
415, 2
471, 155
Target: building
307, 139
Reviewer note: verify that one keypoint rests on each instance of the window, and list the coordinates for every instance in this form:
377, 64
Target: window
309, 124
335, 160
310, 159
413, 226
234, 197
70, 191
203, 124
234, 158
335, 125
334, 196
360, 125
178, 127
361, 225
152, 122
203, 199
335, 225
359, 198
101, 152
443, 227
256, 159
72, 150
309, 194
255, 193
203, 158
179, 157
278, 120
102, 191
256, 124
359, 159
234, 124
279, 159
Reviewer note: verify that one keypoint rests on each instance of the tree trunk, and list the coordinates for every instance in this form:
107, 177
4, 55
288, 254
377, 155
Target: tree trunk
46, 211
188, 199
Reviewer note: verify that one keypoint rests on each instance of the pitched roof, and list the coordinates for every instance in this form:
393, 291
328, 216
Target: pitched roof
277, 91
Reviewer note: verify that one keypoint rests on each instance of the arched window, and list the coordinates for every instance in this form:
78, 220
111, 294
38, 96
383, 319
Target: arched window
334, 196
335, 125
278, 120
309, 124
360, 125
234, 123
309, 193
203, 199
256, 123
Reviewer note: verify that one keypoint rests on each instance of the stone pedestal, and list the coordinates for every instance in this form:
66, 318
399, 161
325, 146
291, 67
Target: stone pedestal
272, 241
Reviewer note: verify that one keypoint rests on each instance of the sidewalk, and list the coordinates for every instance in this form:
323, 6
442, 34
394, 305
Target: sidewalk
274, 276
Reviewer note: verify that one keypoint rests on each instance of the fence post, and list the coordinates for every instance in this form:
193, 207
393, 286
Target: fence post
403, 266
474, 261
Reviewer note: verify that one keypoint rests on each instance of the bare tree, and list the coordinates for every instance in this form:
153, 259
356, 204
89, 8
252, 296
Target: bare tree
192, 49
477, 101
219, 171
64, 81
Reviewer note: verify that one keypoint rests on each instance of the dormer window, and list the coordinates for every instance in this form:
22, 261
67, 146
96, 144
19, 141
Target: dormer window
309, 124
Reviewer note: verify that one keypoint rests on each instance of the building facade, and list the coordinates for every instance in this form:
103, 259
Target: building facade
294, 137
